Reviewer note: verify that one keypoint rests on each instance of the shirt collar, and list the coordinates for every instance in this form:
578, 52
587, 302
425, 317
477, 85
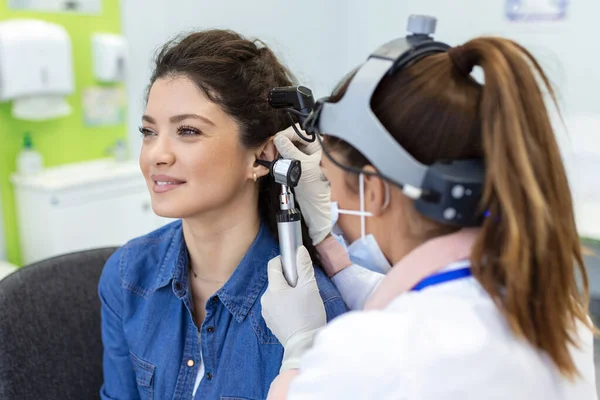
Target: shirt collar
247, 281
245, 284
175, 263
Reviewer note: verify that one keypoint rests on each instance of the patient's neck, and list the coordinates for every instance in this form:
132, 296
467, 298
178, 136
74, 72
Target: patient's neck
218, 241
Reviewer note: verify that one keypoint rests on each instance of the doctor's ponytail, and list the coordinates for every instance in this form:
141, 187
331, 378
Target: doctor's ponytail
528, 255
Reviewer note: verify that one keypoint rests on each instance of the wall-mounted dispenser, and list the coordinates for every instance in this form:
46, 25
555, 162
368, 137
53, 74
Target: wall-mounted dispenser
109, 54
36, 68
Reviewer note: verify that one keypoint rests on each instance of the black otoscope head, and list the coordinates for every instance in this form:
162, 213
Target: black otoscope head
298, 98
285, 171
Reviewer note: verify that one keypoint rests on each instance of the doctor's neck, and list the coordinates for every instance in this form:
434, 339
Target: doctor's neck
410, 230
398, 246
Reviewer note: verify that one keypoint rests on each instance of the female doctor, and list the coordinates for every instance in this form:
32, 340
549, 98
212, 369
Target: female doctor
482, 300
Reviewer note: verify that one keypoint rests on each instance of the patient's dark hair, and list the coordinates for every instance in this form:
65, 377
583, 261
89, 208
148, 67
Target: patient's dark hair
237, 74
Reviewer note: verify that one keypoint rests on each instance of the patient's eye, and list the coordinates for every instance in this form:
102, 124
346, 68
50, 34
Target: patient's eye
188, 131
146, 132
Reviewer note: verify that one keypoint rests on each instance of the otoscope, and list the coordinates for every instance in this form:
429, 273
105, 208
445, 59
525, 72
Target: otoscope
287, 173
296, 100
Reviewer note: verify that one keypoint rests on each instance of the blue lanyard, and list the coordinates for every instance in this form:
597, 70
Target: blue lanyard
443, 277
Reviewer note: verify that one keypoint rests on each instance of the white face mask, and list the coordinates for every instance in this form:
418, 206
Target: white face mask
364, 251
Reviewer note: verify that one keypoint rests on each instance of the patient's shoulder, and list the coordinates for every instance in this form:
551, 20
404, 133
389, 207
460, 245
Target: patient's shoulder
141, 260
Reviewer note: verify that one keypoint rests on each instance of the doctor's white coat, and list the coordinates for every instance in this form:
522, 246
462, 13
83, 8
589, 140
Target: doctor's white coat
447, 341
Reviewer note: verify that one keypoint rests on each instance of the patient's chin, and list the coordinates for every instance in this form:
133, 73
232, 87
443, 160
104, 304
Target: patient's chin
169, 209
177, 208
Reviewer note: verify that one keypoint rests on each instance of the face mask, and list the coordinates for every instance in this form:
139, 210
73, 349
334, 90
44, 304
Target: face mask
364, 251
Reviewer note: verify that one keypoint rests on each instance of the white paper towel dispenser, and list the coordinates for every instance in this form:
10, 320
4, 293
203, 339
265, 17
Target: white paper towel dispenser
36, 68
109, 52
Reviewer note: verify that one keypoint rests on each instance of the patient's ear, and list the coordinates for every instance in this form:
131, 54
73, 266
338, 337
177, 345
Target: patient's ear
267, 152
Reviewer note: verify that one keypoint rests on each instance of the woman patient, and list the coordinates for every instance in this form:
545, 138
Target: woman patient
181, 315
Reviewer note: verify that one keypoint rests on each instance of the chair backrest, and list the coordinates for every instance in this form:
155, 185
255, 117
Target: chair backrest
50, 339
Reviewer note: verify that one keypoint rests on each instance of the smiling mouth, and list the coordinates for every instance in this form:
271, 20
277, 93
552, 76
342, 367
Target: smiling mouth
165, 186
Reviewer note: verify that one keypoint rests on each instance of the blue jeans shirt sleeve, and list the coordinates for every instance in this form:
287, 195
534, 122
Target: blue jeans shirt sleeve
334, 304
119, 377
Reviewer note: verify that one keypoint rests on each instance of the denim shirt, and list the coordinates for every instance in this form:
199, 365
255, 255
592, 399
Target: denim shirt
152, 345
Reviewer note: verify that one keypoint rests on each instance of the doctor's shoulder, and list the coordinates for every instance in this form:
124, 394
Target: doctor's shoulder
426, 347
139, 261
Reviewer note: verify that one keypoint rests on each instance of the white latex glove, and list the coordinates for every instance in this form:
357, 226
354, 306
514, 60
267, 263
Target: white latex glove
293, 314
312, 193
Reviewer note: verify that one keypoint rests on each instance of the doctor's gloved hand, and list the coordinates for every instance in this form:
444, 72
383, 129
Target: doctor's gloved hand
312, 193
293, 314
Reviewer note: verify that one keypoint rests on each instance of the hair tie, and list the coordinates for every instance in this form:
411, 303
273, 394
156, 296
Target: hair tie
461, 60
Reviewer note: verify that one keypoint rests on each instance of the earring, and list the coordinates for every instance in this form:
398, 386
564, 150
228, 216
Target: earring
255, 177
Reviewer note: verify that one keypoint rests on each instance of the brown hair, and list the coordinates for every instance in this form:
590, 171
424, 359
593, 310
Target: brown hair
237, 74
528, 254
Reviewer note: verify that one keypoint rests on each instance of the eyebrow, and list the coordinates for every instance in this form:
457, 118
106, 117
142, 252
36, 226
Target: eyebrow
179, 118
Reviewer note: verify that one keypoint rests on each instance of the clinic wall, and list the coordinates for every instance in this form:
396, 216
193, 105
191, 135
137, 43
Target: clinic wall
62, 140
561, 46
305, 35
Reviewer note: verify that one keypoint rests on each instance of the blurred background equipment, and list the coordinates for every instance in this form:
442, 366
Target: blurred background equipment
82, 206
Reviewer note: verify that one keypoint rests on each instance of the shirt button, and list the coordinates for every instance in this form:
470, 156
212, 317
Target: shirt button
190, 363
210, 329
178, 286
209, 376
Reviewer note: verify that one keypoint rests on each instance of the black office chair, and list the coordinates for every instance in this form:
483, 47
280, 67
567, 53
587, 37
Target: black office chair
50, 341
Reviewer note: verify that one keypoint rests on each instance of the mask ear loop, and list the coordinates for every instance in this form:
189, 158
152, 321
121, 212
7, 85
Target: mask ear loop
363, 213
386, 203
361, 189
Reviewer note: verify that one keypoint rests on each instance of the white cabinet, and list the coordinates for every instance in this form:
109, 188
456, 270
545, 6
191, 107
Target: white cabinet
82, 206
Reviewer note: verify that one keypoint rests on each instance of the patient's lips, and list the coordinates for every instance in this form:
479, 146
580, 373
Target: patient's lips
164, 183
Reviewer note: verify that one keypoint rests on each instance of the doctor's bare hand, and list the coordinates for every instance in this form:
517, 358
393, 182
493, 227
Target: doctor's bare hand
293, 314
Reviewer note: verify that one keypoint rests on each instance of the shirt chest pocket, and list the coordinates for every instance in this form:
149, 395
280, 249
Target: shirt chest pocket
144, 376
264, 334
